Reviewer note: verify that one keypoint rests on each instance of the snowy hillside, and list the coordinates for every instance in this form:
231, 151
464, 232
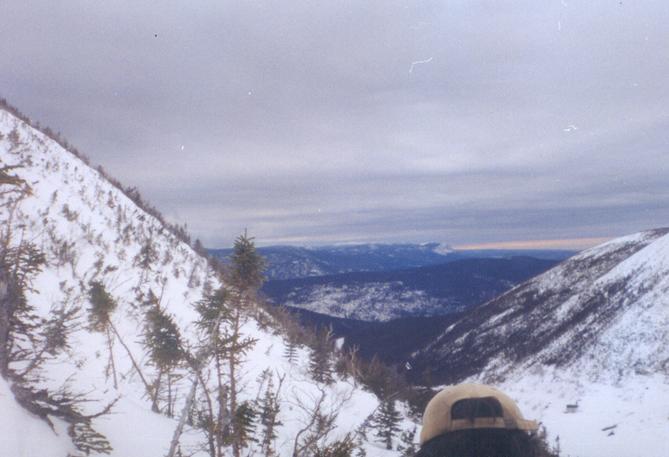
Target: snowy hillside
92, 233
591, 332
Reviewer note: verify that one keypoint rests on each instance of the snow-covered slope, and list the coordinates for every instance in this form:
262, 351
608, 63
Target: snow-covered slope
593, 331
91, 231
21, 434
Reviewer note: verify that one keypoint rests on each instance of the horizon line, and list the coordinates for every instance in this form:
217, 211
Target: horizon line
564, 243
557, 244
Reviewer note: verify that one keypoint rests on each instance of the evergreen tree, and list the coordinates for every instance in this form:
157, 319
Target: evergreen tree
102, 305
363, 428
407, 446
320, 359
222, 313
199, 248
162, 339
245, 278
214, 416
147, 300
290, 350
221, 321
145, 259
244, 424
269, 411
246, 274
18, 320
386, 422
212, 310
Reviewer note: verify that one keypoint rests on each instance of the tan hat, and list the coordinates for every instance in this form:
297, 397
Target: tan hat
468, 406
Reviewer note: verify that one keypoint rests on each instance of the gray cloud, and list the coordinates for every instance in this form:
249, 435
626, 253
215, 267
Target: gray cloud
303, 122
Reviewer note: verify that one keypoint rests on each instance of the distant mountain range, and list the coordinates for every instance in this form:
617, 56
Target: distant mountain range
289, 262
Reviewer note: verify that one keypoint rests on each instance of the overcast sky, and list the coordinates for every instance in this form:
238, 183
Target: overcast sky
311, 122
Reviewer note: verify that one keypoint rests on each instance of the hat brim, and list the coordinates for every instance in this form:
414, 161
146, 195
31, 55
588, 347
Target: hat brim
527, 425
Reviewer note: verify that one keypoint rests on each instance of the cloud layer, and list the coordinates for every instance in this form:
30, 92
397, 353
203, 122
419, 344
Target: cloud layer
317, 122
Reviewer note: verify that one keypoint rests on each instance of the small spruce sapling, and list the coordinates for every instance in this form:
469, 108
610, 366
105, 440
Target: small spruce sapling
386, 422
320, 359
162, 340
245, 423
102, 305
290, 350
269, 412
145, 259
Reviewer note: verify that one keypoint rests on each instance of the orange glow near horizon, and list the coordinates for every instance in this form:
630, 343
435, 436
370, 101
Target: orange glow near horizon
570, 243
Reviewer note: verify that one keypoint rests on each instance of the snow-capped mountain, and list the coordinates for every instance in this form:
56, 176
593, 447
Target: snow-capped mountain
90, 232
592, 332
424, 291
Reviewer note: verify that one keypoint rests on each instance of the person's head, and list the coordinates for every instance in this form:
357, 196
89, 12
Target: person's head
474, 420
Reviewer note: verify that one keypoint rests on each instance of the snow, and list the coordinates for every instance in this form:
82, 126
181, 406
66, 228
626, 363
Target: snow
89, 230
443, 249
23, 435
638, 408
373, 301
620, 379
